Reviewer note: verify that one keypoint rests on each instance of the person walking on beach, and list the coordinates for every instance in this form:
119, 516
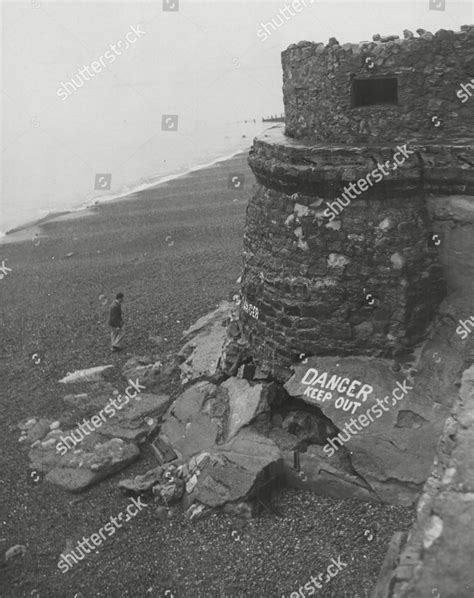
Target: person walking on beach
116, 323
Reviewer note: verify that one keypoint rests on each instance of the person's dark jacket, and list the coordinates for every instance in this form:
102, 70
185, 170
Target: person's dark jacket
115, 315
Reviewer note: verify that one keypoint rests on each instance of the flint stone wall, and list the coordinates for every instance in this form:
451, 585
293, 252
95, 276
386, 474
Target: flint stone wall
430, 70
307, 278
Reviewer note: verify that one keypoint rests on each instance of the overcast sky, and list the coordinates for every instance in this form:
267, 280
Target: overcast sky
204, 62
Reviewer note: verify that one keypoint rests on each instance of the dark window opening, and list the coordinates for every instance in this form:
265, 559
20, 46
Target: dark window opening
368, 92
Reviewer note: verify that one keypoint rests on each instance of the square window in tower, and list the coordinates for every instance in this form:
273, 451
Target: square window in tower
370, 92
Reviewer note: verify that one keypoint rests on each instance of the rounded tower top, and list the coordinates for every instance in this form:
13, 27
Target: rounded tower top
391, 89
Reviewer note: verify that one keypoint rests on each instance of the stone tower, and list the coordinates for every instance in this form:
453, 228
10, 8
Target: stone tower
339, 249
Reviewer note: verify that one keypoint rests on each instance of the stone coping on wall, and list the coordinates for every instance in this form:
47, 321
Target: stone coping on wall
289, 165
393, 40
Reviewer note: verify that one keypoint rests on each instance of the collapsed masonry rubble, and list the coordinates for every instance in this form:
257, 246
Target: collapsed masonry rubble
388, 461
75, 455
97, 453
220, 445
209, 455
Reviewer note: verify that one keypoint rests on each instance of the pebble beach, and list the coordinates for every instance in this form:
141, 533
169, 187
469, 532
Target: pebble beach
175, 253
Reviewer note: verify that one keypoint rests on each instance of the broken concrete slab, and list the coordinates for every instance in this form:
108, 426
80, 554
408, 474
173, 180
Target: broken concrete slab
191, 424
409, 467
192, 401
133, 419
195, 436
150, 371
243, 464
206, 415
94, 374
93, 453
392, 450
92, 460
96, 397
245, 403
131, 422
207, 321
324, 476
204, 341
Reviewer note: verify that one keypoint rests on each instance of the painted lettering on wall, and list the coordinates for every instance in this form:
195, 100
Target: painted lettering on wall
249, 308
324, 387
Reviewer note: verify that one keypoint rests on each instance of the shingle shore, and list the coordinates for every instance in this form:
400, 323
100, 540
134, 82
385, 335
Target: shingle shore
53, 307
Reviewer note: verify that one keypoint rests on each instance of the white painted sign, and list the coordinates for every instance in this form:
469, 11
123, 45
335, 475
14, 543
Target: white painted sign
250, 309
324, 387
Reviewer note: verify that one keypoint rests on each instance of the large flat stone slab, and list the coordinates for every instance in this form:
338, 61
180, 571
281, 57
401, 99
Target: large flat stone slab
237, 468
245, 403
189, 425
324, 476
131, 423
393, 448
204, 341
84, 465
150, 371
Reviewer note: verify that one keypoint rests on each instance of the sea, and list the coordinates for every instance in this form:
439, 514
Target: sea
189, 155
184, 89
190, 88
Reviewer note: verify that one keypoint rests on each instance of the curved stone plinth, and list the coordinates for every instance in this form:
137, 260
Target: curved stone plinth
319, 169
360, 277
